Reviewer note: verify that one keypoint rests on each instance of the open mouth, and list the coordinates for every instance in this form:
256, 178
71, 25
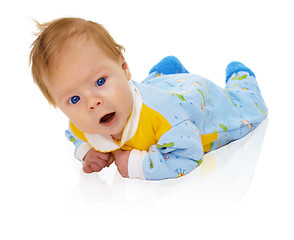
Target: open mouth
107, 118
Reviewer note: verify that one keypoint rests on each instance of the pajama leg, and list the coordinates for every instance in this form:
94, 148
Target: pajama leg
243, 90
241, 78
235, 67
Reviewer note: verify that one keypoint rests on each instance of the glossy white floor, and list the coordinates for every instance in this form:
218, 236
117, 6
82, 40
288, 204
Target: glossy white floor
242, 191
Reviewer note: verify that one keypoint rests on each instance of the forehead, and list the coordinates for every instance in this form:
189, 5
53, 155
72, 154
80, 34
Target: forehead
76, 54
76, 48
79, 59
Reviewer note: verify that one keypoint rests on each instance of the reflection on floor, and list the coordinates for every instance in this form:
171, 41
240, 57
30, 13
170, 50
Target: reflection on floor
220, 181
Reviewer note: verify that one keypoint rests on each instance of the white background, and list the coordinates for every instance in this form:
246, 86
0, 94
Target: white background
244, 191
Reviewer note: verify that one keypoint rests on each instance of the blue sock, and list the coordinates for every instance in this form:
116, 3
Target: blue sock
169, 65
235, 67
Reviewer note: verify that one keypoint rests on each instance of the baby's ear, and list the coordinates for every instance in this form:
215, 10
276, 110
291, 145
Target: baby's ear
125, 67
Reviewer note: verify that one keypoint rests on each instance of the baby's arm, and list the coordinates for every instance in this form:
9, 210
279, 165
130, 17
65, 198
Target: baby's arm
93, 161
81, 147
177, 153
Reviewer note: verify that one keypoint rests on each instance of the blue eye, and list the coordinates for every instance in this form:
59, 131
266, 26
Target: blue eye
100, 81
74, 100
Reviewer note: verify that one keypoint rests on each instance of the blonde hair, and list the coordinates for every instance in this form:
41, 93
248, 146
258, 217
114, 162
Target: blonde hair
51, 37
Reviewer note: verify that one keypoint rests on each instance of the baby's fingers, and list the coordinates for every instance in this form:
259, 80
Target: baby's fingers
87, 169
92, 167
110, 161
104, 156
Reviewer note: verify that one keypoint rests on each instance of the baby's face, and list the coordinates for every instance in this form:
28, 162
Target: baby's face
92, 89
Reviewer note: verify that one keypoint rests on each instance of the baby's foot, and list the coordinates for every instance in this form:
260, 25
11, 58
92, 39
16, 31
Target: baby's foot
235, 67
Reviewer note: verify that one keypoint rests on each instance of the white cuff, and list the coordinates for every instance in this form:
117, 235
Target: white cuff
82, 151
135, 169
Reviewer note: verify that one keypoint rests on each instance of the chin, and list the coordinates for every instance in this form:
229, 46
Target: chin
117, 135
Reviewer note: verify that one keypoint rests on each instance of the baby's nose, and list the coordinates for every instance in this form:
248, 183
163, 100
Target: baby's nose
94, 103
94, 106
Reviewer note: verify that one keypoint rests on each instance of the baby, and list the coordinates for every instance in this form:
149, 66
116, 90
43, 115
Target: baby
157, 129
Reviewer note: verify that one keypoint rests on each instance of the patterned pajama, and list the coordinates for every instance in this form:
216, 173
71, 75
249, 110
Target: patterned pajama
180, 117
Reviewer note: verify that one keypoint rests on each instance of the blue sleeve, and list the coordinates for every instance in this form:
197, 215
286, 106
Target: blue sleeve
72, 138
177, 153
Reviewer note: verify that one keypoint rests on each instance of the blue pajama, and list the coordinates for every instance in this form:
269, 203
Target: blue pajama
196, 107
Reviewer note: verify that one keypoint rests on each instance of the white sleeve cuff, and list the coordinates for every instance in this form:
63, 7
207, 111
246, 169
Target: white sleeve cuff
82, 150
135, 169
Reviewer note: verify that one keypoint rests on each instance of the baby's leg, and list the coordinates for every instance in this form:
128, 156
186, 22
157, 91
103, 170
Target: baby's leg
242, 87
235, 67
240, 77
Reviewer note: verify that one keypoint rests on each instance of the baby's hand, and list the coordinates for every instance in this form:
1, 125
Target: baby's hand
94, 161
121, 161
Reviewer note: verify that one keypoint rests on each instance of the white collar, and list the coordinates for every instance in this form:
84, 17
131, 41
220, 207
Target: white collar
105, 143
